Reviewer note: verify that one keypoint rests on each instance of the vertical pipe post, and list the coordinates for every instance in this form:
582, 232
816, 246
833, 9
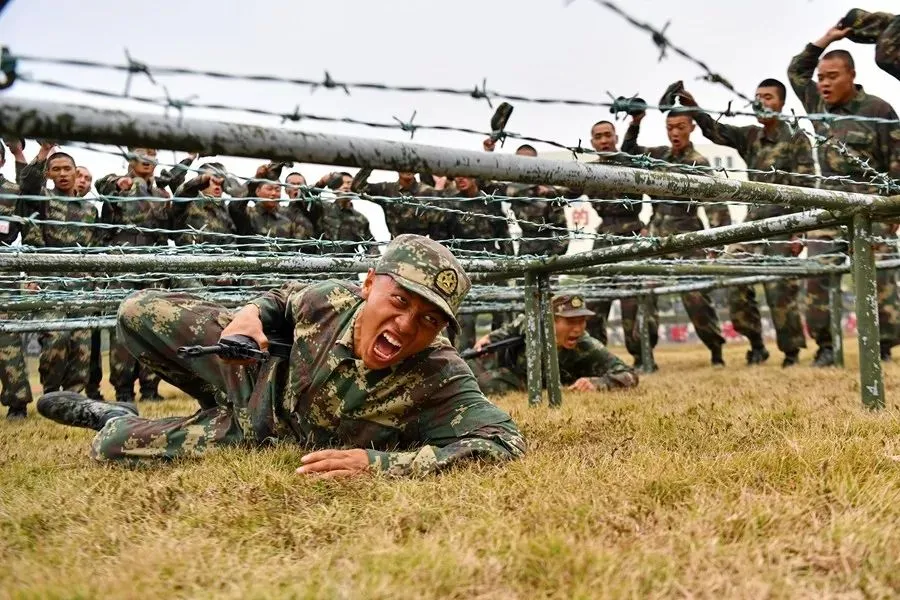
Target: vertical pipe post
533, 334
836, 304
871, 383
645, 308
550, 355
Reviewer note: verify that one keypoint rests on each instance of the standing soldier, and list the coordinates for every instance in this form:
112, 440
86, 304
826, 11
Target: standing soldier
538, 216
299, 210
65, 355
136, 209
16, 393
339, 222
775, 146
671, 218
621, 218
400, 217
484, 230
83, 182
852, 149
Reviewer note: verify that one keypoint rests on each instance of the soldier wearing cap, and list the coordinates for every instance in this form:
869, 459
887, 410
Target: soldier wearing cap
368, 373
584, 363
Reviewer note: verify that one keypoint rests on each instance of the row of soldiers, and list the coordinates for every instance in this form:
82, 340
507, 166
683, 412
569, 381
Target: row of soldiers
773, 151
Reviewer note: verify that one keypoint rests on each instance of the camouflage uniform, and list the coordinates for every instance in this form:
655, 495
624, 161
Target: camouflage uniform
340, 222
875, 143
881, 29
65, 355
783, 150
205, 212
589, 358
673, 218
620, 218
147, 214
476, 227
403, 218
419, 416
16, 392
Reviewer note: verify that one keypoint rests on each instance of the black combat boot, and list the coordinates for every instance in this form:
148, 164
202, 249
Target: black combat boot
76, 410
886, 351
790, 359
717, 360
824, 357
17, 413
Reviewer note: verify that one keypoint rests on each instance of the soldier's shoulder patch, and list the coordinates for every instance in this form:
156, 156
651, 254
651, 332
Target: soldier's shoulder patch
447, 281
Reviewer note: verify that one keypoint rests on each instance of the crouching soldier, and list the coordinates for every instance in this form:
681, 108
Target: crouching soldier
368, 374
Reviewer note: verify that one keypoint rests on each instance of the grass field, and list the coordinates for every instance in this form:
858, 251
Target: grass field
747, 483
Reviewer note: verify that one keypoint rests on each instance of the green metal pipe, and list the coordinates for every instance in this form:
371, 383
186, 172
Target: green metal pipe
871, 382
550, 354
533, 335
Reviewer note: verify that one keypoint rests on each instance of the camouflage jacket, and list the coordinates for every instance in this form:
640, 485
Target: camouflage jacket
340, 222
535, 215
147, 214
424, 414
877, 143
788, 150
76, 210
9, 207
404, 218
304, 214
680, 216
485, 221
273, 223
622, 214
206, 212
590, 358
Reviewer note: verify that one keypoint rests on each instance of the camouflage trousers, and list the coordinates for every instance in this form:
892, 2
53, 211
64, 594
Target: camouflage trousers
497, 381
65, 358
783, 300
16, 391
818, 314
152, 325
597, 325
698, 305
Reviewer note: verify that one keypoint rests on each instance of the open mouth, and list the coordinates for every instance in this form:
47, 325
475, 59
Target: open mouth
387, 346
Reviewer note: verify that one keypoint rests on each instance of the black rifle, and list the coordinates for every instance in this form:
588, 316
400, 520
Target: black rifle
493, 347
238, 347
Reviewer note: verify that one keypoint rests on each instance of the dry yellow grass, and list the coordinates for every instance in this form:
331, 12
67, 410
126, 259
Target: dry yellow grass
740, 483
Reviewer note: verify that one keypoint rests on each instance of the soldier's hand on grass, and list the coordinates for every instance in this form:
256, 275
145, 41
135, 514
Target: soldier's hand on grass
583, 385
247, 322
335, 463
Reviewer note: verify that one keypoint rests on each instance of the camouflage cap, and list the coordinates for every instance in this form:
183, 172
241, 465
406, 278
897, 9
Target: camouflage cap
866, 26
570, 305
424, 267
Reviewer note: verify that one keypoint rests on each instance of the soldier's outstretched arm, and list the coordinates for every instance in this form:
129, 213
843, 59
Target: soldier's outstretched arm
601, 367
717, 133
461, 427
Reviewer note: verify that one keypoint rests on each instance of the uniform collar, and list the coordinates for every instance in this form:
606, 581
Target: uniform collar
852, 105
782, 132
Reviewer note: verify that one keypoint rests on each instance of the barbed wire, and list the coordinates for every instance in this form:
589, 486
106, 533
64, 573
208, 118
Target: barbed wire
477, 92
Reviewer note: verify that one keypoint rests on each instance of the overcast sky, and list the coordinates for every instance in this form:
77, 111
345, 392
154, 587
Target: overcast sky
529, 47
